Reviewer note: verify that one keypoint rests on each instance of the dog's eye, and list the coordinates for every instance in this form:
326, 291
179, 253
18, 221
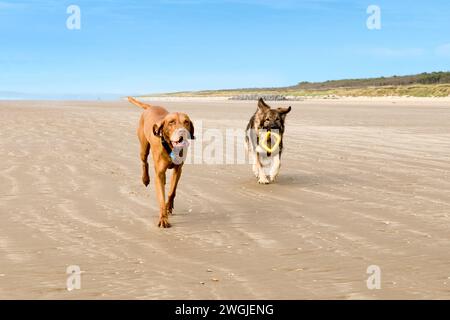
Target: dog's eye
172, 122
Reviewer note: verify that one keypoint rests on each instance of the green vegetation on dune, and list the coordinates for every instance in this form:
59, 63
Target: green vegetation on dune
382, 91
419, 79
413, 91
436, 84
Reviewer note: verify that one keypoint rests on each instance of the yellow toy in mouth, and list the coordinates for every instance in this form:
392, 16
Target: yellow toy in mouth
265, 137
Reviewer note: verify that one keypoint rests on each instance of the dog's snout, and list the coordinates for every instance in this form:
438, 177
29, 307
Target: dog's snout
180, 136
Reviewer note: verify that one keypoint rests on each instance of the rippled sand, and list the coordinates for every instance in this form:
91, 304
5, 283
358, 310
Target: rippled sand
363, 182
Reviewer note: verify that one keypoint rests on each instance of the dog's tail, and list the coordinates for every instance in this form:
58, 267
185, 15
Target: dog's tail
138, 103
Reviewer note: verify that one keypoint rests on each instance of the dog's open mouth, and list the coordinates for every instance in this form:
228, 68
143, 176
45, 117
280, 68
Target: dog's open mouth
181, 143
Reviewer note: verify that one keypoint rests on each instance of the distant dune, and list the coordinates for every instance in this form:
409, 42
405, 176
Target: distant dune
435, 84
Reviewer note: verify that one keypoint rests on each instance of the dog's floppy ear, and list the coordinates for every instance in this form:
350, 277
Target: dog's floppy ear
157, 128
191, 130
262, 106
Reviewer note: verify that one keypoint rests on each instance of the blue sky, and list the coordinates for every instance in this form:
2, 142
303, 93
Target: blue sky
136, 47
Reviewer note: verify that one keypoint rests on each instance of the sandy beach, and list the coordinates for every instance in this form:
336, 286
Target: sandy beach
363, 182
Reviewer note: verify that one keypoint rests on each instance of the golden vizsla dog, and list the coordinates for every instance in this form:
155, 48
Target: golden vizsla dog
167, 136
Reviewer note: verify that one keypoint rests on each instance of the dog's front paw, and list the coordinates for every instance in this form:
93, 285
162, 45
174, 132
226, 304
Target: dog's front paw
263, 180
273, 178
164, 223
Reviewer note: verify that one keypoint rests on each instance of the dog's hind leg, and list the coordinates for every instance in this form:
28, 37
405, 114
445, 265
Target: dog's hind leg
145, 150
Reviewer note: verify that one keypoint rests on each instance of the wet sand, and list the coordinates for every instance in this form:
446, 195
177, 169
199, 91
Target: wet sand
363, 182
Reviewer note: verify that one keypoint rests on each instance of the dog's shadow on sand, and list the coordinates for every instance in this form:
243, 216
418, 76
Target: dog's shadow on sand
307, 179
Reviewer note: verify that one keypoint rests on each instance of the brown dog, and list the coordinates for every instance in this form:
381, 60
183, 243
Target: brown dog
166, 135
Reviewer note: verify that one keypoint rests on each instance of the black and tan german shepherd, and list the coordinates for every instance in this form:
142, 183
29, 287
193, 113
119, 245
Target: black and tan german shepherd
264, 138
